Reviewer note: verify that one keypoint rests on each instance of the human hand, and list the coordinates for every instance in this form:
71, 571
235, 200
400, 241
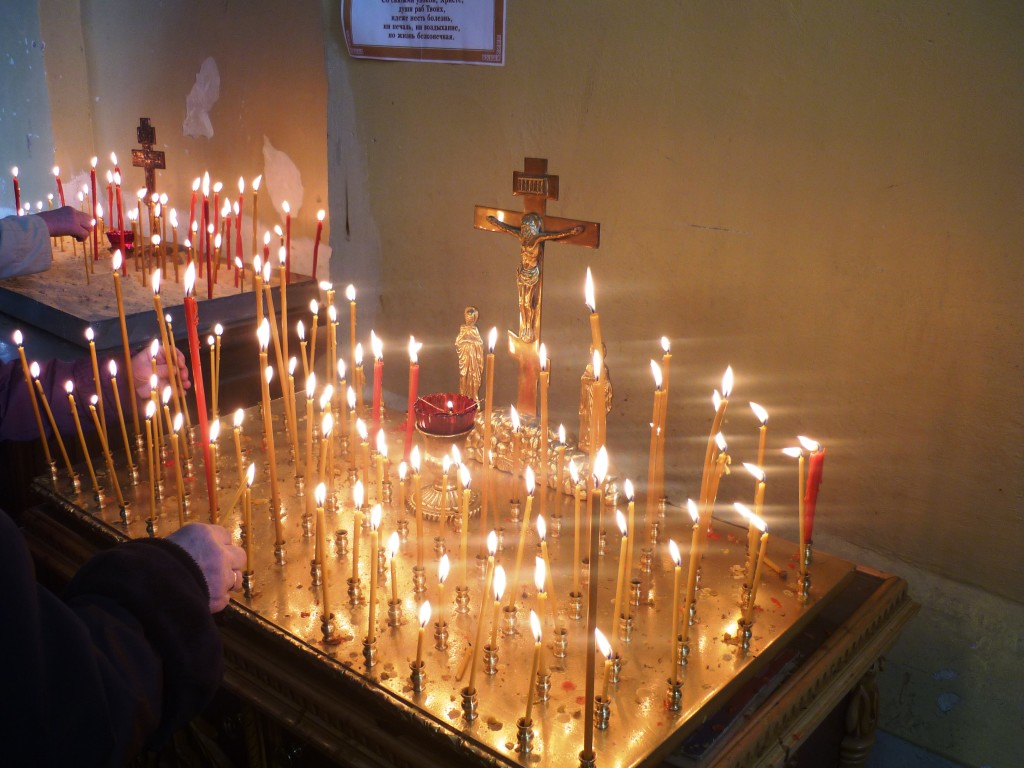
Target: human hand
67, 221
142, 370
220, 561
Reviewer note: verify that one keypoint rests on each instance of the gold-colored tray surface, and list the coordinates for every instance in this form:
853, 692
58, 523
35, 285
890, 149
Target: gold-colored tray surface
640, 727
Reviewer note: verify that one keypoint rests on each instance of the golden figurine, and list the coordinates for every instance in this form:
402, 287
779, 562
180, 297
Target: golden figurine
586, 399
470, 348
532, 237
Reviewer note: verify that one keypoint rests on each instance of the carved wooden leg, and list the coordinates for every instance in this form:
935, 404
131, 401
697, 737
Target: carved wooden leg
861, 722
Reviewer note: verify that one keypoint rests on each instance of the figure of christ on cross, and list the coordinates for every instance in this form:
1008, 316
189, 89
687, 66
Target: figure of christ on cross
148, 158
532, 227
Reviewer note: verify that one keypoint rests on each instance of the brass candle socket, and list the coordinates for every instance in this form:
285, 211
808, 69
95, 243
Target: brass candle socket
355, 592
524, 736
560, 644
341, 543
419, 579
394, 613
674, 695
543, 684
416, 675
370, 652
508, 620
315, 572
441, 635
625, 627
602, 712
248, 580
462, 600
575, 606
469, 704
490, 660
279, 554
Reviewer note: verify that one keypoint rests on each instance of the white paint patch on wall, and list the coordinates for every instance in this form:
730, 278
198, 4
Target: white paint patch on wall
200, 101
283, 179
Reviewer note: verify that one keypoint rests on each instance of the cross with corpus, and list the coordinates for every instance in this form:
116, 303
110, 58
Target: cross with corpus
147, 157
532, 227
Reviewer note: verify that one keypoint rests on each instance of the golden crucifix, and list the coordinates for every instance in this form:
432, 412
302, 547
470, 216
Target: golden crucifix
532, 227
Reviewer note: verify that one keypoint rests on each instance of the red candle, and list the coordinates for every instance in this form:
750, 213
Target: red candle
216, 205
378, 377
17, 190
92, 200
192, 204
238, 228
815, 464
192, 326
60, 186
110, 200
287, 242
205, 224
316, 242
414, 384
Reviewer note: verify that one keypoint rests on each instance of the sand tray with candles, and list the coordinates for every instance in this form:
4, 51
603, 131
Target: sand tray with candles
60, 301
285, 609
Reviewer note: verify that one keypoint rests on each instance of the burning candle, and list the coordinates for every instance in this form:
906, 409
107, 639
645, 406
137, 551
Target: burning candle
382, 456
596, 499
250, 534
257, 281
60, 186
19, 342
17, 190
92, 203
517, 442
540, 577
192, 327
320, 495
414, 461
424, 617
358, 379
535, 629
178, 480
560, 461
628, 491
316, 241
762, 416
358, 492
275, 498
255, 207
111, 472
677, 571
350, 294
596, 343
375, 515
721, 402
151, 458
530, 488
492, 547
691, 576
465, 477
300, 331
34, 371
748, 613
378, 377
605, 649
652, 461
287, 260
91, 338
815, 465
443, 568
574, 475
542, 536
394, 542
69, 387
545, 384
314, 308
798, 454
414, 379
403, 470
620, 580
499, 591
239, 417
214, 436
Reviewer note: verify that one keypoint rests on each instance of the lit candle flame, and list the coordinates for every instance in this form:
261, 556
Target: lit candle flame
112, 367
358, 353
34, 369
156, 279
743, 510
250, 475
300, 329
165, 395
414, 459
464, 476
492, 543
214, 431
332, 316
190, 278
620, 520
403, 470
321, 214
720, 442
293, 363
794, 452
531, 481
666, 345
656, 373
443, 568
154, 347
320, 494
760, 413
424, 614
540, 574
375, 516
89, 334
755, 470
727, 382
341, 369
492, 339
19, 340
382, 443
377, 346
314, 307
362, 430
499, 582
176, 424
543, 356
603, 645
239, 418
150, 409
674, 553
691, 507
811, 446
350, 293
326, 424
574, 472
627, 489
514, 416
285, 207
414, 348
326, 396
601, 465
269, 374
263, 334
256, 183
350, 398
394, 542
588, 292
311, 385
358, 494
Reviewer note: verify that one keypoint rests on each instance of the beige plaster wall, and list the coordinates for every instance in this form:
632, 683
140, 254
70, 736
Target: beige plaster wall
825, 196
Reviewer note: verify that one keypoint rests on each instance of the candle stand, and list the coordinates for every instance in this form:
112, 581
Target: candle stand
277, 639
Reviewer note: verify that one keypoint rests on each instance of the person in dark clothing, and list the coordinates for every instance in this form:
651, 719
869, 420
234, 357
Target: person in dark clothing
128, 655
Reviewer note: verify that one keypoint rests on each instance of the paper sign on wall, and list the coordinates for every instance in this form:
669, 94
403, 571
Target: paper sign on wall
450, 31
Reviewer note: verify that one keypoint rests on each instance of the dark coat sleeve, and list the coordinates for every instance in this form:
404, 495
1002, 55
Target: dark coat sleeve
129, 655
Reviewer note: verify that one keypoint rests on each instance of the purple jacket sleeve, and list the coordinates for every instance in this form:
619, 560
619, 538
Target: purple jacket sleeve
16, 419
129, 655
